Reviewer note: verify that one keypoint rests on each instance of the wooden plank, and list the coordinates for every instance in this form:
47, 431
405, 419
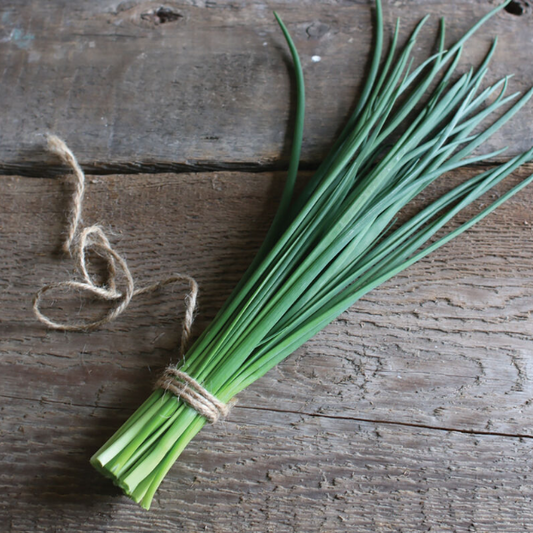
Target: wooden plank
445, 344
266, 471
205, 84
412, 411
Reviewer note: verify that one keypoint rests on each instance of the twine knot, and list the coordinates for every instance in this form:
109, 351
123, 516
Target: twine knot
191, 392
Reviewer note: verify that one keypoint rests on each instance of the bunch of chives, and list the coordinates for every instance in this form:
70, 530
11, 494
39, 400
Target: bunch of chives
337, 240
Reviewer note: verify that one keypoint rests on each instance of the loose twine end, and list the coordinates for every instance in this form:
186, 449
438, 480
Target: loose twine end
93, 238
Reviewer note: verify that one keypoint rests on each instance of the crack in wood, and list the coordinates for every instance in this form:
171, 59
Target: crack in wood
393, 423
302, 413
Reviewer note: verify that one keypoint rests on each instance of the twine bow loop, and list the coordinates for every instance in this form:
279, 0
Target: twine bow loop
78, 243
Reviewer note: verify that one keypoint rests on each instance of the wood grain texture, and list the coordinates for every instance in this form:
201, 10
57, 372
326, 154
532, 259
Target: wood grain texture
268, 472
207, 85
412, 412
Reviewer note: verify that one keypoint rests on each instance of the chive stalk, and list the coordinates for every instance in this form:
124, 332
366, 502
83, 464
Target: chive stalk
338, 239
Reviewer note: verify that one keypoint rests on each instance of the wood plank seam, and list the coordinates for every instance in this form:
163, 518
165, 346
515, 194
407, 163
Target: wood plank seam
304, 414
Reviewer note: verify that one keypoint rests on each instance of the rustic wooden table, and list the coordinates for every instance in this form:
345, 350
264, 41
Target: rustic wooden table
412, 412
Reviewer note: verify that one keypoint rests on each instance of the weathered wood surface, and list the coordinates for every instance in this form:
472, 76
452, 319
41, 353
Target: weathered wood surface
205, 84
412, 412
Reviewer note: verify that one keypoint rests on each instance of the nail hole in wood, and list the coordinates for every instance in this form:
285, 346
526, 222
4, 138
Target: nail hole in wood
166, 14
515, 8
162, 15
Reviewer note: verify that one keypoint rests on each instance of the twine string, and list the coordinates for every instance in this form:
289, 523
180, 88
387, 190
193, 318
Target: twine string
93, 238
78, 243
190, 391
